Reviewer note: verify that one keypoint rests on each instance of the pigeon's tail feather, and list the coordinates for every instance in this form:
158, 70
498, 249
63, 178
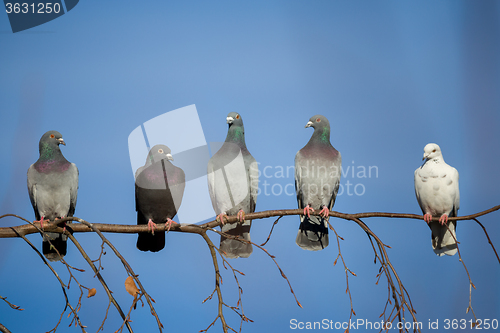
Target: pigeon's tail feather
313, 233
444, 240
149, 242
234, 248
57, 242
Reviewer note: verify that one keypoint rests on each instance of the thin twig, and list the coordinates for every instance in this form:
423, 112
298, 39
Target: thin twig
471, 285
346, 270
128, 268
398, 293
15, 307
268, 254
132, 307
101, 279
63, 287
271, 232
489, 240
218, 278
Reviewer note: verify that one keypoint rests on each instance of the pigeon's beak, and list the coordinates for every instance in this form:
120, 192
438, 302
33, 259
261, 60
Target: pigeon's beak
229, 120
309, 124
169, 157
61, 141
426, 156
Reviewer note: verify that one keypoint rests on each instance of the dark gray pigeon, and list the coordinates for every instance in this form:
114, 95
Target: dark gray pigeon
436, 187
159, 187
233, 178
317, 179
53, 188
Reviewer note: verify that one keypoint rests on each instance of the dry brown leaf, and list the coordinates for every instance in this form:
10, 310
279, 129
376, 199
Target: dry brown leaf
92, 292
130, 286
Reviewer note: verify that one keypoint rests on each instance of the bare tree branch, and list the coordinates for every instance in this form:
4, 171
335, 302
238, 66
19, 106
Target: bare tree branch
396, 289
7, 232
4, 329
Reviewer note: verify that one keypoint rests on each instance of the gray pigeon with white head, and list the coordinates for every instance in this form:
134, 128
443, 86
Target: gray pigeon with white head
159, 188
53, 188
317, 180
436, 187
233, 178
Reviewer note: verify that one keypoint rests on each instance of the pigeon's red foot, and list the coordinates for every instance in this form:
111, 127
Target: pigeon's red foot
221, 217
64, 223
170, 222
427, 217
443, 219
41, 222
307, 210
241, 215
151, 226
324, 212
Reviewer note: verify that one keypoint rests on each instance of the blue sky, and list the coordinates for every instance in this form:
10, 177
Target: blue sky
390, 76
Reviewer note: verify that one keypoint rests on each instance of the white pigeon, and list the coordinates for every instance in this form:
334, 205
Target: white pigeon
436, 187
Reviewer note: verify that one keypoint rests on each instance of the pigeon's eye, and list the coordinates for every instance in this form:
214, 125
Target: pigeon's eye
52, 136
434, 151
160, 151
237, 116
318, 120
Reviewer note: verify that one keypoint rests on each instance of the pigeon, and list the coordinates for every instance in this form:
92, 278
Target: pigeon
159, 187
436, 187
317, 179
53, 188
233, 177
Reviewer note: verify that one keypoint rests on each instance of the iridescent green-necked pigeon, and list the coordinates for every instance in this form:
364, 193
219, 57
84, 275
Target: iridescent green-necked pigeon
233, 178
317, 179
159, 187
436, 187
53, 188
